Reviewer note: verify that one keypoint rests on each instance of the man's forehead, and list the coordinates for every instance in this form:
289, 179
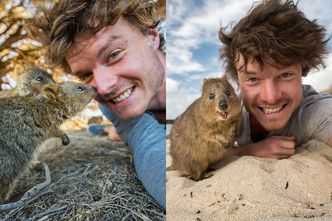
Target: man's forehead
120, 30
254, 66
99, 42
251, 66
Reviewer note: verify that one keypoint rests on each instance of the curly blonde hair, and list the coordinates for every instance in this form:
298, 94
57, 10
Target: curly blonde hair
59, 27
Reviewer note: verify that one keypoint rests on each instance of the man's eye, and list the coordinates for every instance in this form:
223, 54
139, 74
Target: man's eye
114, 55
252, 80
286, 75
85, 76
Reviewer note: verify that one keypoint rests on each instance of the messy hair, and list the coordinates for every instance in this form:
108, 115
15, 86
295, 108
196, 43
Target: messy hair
275, 33
74, 20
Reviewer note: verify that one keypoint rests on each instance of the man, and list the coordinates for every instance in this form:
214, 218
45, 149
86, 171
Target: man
115, 46
268, 52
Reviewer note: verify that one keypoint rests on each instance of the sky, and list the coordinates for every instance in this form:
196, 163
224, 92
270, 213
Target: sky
193, 45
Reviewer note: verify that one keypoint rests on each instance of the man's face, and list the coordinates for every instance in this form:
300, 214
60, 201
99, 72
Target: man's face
125, 66
270, 94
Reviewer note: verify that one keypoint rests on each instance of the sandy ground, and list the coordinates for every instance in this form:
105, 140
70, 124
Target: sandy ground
250, 188
92, 179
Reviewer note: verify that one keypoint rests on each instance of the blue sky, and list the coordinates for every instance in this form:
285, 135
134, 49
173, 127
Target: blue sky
193, 44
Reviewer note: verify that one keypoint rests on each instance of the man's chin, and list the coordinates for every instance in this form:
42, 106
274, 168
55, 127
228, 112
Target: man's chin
126, 117
123, 115
125, 112
128, 113
272, 126
272, 122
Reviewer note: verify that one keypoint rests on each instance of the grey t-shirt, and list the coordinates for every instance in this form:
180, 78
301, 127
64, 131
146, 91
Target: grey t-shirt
312, 120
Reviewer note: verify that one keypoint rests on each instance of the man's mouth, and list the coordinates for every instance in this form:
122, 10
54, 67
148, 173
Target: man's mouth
122, 96
272, 109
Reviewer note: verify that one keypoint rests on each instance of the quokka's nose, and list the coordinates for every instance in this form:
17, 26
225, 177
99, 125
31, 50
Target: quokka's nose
223, 105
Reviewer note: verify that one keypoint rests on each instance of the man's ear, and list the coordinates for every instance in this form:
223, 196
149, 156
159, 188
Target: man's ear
154, 38
50, 91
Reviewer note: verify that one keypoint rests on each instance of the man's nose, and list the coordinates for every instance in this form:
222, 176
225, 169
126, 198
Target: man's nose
270, 93
104, 81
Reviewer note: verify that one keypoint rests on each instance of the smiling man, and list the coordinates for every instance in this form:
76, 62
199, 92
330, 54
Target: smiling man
137, 67
268, 52
116, 46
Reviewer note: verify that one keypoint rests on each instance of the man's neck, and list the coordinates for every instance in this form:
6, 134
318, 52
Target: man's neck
258, 133
160, 115
158, 103
158, 108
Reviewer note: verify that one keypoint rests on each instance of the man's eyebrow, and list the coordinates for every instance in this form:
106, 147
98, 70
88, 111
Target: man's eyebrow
242, 69
110, 39
249, 72
246, 72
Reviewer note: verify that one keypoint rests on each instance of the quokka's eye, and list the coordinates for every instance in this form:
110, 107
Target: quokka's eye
228, 93
211, 96
39, 78
80, 88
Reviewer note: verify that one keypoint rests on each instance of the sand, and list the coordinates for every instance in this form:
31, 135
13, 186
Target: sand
250, 188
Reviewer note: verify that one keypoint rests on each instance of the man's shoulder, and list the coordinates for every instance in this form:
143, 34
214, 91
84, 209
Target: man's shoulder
315, 110
313, 99
159, 115
313, 120
315, 106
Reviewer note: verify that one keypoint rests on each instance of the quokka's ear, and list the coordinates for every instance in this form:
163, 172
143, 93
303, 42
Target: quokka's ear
207, 81
204, 83
50, 91
224, 77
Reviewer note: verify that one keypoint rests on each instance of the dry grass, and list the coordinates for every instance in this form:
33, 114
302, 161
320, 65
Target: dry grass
92, 179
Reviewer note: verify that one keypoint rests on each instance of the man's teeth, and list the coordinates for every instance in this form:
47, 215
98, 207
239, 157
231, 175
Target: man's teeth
270, 110
123, 96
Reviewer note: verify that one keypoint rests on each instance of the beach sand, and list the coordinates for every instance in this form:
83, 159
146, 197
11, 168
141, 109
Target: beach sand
250, 188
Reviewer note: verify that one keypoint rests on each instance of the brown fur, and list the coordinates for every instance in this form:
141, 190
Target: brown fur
31, 81
27, 121
200, 136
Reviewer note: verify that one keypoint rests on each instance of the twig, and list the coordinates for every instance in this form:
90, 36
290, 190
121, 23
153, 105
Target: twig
30, 193
45, 215
36, 189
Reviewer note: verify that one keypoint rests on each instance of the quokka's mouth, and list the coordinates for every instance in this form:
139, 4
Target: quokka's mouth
224, 115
